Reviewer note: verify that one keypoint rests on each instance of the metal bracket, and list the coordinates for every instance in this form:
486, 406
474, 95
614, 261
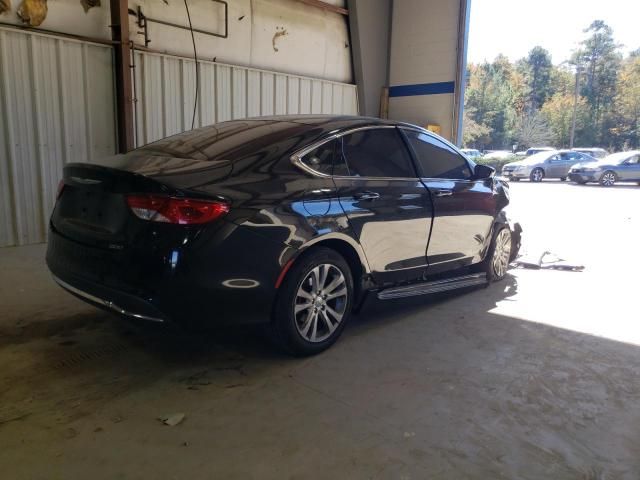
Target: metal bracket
142, 21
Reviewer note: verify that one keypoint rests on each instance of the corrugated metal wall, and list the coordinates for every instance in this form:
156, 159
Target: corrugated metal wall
165, 87
56, 107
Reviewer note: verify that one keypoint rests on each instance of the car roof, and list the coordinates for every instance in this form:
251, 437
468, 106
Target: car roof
277, 135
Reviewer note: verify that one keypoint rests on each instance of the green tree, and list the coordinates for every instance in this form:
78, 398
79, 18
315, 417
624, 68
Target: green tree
490, 100
558, 112
600, 59
475, 135
537, 70
625, 128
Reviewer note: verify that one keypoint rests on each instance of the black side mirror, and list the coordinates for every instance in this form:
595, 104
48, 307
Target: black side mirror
483, 172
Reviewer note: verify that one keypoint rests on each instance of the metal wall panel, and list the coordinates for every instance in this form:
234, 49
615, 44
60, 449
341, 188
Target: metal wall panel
56, 107
164, 96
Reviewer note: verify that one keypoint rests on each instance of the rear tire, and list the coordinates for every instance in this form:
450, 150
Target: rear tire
536, 175
608, 178
314, 303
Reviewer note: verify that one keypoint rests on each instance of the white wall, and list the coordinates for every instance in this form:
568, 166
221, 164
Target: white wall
424, 44
56, 107
316, 42
166, 93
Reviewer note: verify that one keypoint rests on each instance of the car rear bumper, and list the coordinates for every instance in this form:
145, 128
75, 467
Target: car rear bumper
112, 300
218, 282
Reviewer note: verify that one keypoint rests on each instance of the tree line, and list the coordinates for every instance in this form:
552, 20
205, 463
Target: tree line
531, 102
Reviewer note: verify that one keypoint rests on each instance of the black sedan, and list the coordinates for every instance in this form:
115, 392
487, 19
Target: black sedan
288, 221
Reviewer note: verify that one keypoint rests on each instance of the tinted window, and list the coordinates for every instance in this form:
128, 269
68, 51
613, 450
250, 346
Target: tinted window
571, 156
377, 152
321, 159
437, 159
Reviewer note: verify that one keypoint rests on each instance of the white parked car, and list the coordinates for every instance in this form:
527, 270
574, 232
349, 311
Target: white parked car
497, 155
471, 153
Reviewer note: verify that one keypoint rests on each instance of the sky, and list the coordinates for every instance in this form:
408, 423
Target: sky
513, 27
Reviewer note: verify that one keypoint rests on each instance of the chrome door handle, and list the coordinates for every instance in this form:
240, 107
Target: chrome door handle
366, 196
443, 193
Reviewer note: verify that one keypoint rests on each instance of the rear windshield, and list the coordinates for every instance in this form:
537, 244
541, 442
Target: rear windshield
227, 140
219, 146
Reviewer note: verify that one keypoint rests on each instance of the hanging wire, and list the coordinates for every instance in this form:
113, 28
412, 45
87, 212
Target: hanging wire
195, 57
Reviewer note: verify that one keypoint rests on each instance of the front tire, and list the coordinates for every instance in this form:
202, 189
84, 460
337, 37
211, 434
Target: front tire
563, 179
496, 264
536, 175
608, 178
314, 303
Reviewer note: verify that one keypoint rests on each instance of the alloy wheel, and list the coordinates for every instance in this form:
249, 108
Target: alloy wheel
321, 302
502, 253
608, 179
537, 175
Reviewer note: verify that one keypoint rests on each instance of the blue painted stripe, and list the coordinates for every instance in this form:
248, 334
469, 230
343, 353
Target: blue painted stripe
422, 89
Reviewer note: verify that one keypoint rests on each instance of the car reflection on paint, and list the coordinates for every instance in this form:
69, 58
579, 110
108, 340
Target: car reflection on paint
284, 221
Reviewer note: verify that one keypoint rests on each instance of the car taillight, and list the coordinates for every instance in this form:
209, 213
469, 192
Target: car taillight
60, 189
183, 211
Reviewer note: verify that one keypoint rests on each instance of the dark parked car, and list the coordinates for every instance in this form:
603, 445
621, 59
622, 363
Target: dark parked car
287, 221
621, 166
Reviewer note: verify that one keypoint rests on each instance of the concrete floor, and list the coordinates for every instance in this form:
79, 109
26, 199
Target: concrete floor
536, 377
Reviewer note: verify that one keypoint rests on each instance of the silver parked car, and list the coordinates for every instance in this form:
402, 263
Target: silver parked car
621, 166
546, 164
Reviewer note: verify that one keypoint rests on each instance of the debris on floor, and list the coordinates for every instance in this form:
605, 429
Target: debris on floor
173, 419
547, 261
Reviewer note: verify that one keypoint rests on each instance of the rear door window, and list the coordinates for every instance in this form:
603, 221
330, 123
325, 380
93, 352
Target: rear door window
436, 159
376, 152
321, 159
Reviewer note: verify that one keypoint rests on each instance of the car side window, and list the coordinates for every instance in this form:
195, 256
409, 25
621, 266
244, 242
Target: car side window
321, 159
376, 152
634, 160
436, 159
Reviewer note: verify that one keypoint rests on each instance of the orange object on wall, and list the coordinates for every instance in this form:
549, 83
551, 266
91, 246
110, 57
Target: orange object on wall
33, 12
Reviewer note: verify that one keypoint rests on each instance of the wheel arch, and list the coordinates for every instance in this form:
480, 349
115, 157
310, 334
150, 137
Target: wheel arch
350, 250
502, 220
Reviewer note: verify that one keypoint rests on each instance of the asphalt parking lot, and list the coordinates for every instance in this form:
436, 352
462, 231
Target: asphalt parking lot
534, 377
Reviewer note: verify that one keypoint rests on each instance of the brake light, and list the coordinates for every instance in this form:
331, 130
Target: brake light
183, 211
60, 189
